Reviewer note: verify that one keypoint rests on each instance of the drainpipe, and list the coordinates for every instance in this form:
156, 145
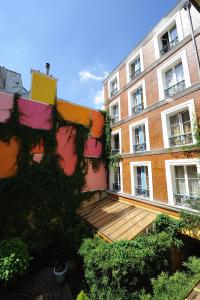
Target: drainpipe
187, 7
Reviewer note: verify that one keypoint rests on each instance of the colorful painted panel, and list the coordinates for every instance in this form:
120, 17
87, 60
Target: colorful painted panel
96, 180
8, 158
38, 157
74, 113
6, 105
97, 124
38, 149
93, 148
43, 88
34, 114
66, 137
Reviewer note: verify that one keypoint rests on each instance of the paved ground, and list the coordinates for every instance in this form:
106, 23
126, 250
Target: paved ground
43, 286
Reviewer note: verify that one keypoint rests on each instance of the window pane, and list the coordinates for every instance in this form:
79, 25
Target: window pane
175, 130
185, 116
191, 171
194, 187
179, 72
180, 186
139, 180
179, 172
173, 33
174, 120
169, 78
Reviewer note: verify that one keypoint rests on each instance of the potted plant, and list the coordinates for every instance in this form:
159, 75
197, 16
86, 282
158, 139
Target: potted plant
60, 272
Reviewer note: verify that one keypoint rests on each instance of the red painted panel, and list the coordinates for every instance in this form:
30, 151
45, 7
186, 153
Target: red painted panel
93, 148
96, 180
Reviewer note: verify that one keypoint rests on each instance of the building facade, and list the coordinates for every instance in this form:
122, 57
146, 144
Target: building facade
153, 97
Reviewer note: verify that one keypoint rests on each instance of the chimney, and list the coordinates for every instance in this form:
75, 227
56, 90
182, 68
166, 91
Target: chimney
47, 68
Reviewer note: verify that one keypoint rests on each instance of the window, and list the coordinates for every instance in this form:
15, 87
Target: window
180, 129
114, 110
139, 136
137, 104
183, 181
139, 139
134, 66
116, 183
116, 141
169, 34
173, 76
177, 125
169, 40
113, 85
137, 98
174, 80
141, 179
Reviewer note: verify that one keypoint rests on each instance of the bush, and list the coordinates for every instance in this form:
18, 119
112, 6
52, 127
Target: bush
123, 267
82, 296
14, 258
176, 286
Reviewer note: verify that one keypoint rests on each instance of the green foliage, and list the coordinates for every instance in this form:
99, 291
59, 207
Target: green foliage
14, 258
115, 160
176, 286
190, 220
82, 296
106, 138
170, 225
124, 266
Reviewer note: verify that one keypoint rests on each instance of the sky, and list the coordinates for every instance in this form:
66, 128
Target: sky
83, 40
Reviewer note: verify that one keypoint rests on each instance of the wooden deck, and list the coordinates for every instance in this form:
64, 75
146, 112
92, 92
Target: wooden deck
116, 220
195, 293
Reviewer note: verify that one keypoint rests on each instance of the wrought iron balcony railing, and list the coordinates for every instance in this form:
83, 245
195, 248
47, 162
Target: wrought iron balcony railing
139, 147
135, 74
181, 139
113, 92
138, 108
186, 200
169, 46
174, 89
142, 192
116, 186
115, 151
114, 119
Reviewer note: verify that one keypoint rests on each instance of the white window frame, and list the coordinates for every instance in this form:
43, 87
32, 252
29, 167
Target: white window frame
173, 110
180, 57
131, 92
131, 128
169, 167
116, 75
131, 59
111, 179
141, 164
116, 101
176, 19
118, 131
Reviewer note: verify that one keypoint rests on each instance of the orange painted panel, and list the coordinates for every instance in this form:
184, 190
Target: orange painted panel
74, 113
97, 124
8, 158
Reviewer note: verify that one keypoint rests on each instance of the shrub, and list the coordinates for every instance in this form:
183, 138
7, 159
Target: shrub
176, 286
82, 296
124, 266
14, 258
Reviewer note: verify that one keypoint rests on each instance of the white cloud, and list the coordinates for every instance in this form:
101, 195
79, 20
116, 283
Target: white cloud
99, 99
87, 75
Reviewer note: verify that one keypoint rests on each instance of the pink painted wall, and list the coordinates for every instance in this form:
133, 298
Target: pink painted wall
34, 114
93, 148
6, 105
65, 137
95, 180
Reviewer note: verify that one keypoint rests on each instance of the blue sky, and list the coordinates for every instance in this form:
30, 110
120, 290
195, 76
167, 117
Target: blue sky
82, 39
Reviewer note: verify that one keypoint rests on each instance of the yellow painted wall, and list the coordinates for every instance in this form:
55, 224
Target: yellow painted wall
43, 88
74, 113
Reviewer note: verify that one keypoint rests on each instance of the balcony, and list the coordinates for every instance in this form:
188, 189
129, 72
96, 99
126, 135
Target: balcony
172, 90
186, 200
183, 139
115, 119
135, 74
169, 46
139, 147
113, 92
137, 109
114, 151
116, 186
142, 192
